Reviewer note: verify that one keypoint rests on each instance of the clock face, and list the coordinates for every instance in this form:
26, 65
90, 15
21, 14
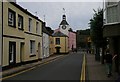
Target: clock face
64, 27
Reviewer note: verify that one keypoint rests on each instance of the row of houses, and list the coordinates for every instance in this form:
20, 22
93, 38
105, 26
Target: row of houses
26, 38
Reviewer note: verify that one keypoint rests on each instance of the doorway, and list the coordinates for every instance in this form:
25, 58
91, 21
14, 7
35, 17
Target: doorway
12, 53
21, 51
39, 50
58, 50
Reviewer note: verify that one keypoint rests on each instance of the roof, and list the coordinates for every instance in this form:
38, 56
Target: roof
64, 22
59, 34
44, 30
25, 11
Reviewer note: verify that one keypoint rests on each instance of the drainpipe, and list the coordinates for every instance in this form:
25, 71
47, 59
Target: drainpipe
1, 53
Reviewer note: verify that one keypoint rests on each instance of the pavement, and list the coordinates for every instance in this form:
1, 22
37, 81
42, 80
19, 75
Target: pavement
97, 71
17, 69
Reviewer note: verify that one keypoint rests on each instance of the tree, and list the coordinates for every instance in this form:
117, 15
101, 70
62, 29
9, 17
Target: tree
96, 24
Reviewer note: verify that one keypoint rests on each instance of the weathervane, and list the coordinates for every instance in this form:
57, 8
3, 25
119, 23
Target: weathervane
64, 11
36, 13
44, 18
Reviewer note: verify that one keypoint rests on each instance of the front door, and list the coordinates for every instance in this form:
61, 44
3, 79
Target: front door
58, 50
21, 51
39, 50
12, 53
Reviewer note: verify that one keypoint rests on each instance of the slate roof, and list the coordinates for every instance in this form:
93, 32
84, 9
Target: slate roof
59, 34
25, 11
44, 30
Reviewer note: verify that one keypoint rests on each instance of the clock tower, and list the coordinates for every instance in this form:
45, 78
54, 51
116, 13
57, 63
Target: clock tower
64, 26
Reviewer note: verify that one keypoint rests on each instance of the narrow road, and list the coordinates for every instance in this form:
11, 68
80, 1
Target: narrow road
65, 68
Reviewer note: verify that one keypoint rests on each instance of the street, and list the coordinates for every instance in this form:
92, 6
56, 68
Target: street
65, 68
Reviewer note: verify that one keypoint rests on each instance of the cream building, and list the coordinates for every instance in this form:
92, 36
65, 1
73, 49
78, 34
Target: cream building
22, 35
60, 43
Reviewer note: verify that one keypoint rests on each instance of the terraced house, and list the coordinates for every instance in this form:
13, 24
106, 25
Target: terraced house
22, 35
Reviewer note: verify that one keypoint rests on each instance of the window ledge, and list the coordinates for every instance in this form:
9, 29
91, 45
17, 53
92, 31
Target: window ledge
12, 26
32, 55
21, 29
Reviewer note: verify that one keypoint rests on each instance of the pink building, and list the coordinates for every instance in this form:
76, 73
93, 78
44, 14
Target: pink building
72, 40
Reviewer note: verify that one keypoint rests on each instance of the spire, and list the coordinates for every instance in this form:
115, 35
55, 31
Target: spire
64, 16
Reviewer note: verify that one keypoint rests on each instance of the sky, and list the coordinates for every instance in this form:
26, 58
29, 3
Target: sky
77, 14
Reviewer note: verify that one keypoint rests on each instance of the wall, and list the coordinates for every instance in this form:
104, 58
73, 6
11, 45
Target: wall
51, 45
63, 44
45, 45
0, 31
72, 40
19, 36
65, 31
32, 36
11, 31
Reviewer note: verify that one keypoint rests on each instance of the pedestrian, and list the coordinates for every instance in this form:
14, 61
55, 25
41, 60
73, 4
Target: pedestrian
116, 60
108, 60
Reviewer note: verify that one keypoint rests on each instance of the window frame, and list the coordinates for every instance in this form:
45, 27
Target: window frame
37, 28
57, 41
32, 47
13, 20
30, 24
20, 16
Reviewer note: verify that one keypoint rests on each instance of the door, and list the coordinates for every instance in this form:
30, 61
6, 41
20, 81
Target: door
12, 53
39, 50
21, 51
58, 50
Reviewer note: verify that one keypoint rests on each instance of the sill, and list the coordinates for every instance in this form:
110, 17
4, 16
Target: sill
21, 29
33, 55
12, 26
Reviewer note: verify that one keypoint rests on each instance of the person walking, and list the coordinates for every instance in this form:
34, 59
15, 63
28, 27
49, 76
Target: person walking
108, 60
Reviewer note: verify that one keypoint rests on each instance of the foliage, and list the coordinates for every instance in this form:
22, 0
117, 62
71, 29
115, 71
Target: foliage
96, 24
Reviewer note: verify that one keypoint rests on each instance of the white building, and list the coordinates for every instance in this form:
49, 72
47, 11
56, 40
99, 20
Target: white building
46, 42
64, 26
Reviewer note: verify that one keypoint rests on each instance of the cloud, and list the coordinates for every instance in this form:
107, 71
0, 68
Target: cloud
78, 13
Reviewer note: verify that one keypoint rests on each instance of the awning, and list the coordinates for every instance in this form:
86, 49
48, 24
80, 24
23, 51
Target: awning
111, 30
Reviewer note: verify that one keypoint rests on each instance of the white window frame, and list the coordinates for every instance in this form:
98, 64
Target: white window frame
20, 22
11, 17
32, 47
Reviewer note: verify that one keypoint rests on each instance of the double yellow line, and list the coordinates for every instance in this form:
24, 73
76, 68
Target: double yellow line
82, 79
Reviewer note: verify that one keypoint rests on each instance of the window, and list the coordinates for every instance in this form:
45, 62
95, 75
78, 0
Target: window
20, 22
11, 17
37, 27
30, 24
12, 52
32, 47
112, 14
57, 41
